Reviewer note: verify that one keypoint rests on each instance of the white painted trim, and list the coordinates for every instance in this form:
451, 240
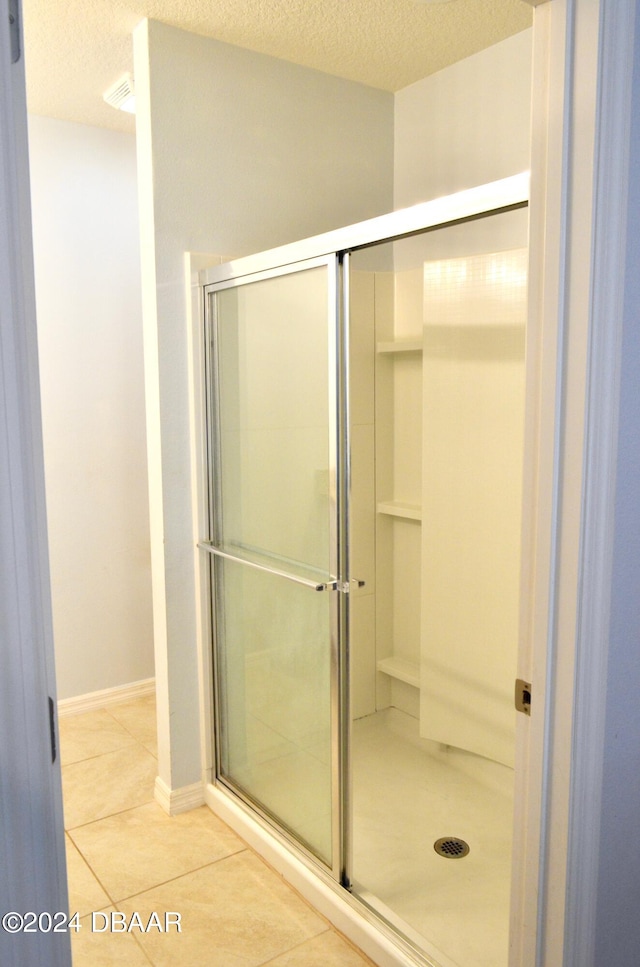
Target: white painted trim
562, 199
573, 311
152, 393
194, 263
580, 238
540, 477
580, 135
344, 911
106, 696
601, 441
175, 801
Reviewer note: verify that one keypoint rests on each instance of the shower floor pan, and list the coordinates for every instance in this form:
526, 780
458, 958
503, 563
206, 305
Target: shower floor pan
408, 793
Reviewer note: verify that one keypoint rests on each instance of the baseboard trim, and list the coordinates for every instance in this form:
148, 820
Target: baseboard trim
106, 696
175, 801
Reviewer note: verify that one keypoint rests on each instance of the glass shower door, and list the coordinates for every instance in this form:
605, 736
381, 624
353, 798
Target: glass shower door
272, 401
438, 331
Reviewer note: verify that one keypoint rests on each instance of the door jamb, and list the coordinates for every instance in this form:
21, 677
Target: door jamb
583, 60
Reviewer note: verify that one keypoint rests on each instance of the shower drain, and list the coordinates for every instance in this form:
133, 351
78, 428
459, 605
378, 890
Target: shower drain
451, 847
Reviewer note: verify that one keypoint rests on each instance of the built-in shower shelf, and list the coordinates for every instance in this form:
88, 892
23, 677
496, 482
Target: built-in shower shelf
398, 508
400, 668
400, 346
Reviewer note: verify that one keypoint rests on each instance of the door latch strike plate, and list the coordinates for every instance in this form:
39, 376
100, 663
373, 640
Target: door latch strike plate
523, 696
52, 729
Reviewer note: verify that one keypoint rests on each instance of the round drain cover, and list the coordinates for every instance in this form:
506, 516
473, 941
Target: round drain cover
451, 847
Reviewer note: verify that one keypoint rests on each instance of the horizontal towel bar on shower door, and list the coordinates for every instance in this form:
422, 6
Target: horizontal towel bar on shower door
331, 585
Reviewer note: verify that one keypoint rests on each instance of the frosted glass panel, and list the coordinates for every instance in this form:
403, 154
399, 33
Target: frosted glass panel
272, 508
275, 694
274, 418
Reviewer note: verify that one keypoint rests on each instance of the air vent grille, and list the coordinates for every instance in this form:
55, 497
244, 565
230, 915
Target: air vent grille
121, 95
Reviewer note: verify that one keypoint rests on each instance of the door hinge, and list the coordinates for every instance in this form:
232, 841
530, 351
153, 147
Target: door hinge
14, 29
52, 728
523, 696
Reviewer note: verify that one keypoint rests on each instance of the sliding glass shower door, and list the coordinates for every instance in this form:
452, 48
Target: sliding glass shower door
365, 410
273, 442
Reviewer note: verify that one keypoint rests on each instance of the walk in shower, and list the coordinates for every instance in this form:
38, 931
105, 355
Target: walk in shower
365, 414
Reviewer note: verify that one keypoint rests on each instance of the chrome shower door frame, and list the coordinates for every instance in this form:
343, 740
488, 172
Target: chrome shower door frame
332, 583
333, 248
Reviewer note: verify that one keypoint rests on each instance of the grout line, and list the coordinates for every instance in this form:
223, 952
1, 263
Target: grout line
121, 725
138, 940
118, 812
180, 876
297, 946
99, 755
93, 872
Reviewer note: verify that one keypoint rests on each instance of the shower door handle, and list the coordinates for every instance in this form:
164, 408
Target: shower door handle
330, 585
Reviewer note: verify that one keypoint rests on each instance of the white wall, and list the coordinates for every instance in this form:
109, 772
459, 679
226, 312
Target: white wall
466, 125
238, 152
87, 265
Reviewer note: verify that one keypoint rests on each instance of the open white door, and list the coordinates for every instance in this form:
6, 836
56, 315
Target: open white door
33, 877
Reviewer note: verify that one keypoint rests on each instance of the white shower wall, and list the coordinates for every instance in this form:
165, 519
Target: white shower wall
466, 125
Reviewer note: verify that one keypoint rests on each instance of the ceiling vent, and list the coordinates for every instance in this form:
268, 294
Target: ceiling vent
121, 95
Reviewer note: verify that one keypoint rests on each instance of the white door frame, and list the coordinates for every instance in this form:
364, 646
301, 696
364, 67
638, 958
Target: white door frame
583, 60
33, 876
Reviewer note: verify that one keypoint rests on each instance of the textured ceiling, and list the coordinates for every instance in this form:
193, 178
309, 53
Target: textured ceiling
75, 49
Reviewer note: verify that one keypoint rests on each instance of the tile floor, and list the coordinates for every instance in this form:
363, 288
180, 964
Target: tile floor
125, 854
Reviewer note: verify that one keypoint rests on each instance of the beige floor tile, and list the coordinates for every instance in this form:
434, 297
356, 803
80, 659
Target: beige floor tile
327, 950
107, 784
85, 892
90, 734
143, 847
93, 947
139, 718
235, 913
